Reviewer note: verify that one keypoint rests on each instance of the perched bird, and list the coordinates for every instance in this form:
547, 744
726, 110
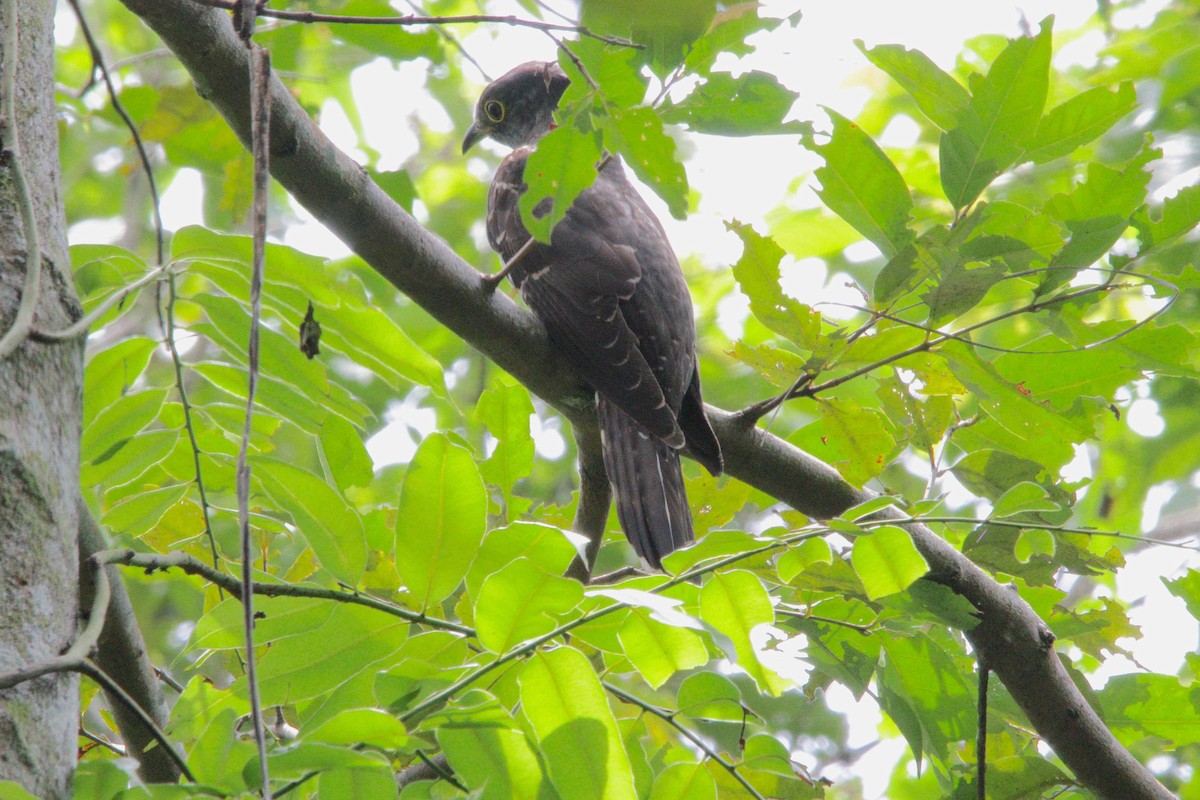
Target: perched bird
613, 299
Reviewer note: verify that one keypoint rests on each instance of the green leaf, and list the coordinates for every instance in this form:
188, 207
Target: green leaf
398, 185
887, 561
960, 290
810, 232
658, 651
735, 603
851, 438
111, 373
666, 27
390, 41
496, 760
322, 516
344, 454
124, 464
939, 96
362, 727
1137, 706
140, 512
752, 104
1078, 121
363, 332
1013, 420
995, 126
505, 408
113, 427
638, 135
757, 272
800, 557
1024, 497
862, 186
1186, 588
300, 667
684, 781
221, 628
1160, 226
441, 519
934, 714
710, 696
522, 601
562, 166
574, 727
548, 547
728, 32
373, 782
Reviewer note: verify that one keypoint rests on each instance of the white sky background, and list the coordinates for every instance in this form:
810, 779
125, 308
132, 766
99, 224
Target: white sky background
745, 179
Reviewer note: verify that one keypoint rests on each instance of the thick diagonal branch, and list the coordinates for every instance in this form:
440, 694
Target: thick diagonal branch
1011, 639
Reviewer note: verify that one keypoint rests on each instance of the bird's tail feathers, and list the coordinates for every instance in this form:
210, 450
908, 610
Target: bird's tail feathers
647, 481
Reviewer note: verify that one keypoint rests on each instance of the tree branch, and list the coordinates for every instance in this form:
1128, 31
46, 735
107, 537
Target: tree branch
193, 566
415, 19
1011, 639
121, 653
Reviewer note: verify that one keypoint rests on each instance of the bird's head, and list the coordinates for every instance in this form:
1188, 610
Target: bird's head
518, 107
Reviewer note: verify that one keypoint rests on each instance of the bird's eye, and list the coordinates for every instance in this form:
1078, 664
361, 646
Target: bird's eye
494, 110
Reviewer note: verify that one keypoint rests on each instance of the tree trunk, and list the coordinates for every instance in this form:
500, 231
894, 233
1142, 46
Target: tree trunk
40, 390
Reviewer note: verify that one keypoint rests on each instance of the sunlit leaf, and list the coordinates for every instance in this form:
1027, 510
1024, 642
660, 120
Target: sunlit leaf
994, 127
735, 603
862, 186
565, 704
522, 601
441, 519
887, 561
939, 96
323, 517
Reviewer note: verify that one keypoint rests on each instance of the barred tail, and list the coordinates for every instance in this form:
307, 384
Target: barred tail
648, 483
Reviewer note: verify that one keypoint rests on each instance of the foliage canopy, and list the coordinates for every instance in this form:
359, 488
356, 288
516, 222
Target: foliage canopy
1032, 281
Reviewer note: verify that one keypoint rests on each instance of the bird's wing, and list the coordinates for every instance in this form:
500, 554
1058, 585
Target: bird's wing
589, 289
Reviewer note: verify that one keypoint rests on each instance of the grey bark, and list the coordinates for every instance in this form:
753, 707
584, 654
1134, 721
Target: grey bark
122, 654
1012, 640
40, 389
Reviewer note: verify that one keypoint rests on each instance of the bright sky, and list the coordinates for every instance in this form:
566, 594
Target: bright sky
744, 179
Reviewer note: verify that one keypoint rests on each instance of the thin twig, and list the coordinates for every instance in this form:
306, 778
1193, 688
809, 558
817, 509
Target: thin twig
942, 338
77, 658
166, 678
290, 787
532, 645
81, 326
591, 82
804, 387
152, 562
114, 689
100, 740
412, 19
168, 324
98, 64
692, 737
453, 40
442, 770
866, 630
10, 140
981, 734
490, 282
260, 112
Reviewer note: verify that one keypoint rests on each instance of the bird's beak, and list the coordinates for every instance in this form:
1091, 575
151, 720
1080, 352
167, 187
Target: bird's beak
474, 134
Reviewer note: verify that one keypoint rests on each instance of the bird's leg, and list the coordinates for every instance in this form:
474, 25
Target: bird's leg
490, 282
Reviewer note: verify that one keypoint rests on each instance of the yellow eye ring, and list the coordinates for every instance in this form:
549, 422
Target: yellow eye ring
494, 110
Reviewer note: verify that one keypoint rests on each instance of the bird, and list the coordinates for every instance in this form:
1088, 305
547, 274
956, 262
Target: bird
613, 299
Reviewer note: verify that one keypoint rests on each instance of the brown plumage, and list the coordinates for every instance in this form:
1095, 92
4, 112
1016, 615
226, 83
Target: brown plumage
611, 294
